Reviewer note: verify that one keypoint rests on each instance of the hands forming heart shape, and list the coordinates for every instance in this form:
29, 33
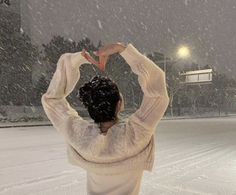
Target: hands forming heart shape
103, 54
102, 59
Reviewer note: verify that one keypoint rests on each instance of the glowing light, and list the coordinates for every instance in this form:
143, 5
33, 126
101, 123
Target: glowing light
183, 52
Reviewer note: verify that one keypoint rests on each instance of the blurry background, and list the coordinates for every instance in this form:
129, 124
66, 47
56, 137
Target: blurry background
33, 35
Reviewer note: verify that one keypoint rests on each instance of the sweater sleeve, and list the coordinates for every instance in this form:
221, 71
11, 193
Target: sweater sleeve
155, 97
56, 107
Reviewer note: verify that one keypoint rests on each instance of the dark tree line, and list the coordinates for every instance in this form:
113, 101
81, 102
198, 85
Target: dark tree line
18, 55
116, 69
219, 95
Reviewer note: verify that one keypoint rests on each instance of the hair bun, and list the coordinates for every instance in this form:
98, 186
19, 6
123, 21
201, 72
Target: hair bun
100, 96
101, 107
85, 94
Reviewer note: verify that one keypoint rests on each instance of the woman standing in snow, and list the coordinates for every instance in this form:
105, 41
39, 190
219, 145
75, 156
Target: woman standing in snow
113, 154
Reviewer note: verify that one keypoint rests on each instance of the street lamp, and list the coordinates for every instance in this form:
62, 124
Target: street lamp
183, 52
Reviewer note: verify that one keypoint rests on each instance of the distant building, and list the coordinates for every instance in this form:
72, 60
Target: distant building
197, 77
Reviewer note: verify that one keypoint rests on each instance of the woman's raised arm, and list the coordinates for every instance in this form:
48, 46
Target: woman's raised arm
155, 97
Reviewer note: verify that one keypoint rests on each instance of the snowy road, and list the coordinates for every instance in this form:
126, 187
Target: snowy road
193, 157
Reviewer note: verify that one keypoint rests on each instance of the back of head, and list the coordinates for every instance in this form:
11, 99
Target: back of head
100, 96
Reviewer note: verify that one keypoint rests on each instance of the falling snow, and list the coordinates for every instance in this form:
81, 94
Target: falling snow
21, 30
71, 40
34, 34
99, 24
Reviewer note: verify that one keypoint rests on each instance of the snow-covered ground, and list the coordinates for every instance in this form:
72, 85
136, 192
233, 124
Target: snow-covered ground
193, 157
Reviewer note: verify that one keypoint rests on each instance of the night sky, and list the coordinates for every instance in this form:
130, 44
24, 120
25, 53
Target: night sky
206, 26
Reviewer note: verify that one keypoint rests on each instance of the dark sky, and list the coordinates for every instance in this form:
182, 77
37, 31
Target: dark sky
206, 26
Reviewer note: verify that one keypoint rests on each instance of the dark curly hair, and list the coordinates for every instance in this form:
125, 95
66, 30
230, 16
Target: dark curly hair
100, 96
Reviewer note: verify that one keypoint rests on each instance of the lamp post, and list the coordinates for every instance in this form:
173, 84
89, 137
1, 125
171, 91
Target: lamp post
183, 52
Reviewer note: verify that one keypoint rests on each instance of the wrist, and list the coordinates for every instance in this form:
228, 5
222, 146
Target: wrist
120, 46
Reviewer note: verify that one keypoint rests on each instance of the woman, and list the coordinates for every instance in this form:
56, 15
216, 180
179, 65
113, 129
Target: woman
113, 154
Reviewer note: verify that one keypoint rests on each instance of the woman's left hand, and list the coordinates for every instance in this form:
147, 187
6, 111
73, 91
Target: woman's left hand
88, 57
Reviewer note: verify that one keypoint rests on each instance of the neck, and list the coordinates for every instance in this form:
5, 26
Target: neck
107, 124
104, 126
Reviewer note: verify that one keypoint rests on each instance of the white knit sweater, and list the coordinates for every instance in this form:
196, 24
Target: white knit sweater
126, 146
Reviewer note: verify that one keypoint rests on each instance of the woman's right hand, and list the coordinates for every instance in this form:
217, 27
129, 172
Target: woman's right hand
104, 52
110, 49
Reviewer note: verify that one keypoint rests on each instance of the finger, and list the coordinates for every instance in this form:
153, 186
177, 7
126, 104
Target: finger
83, 53
102, 62
102, 50
88, 57
105, 60
107, 50
91, 59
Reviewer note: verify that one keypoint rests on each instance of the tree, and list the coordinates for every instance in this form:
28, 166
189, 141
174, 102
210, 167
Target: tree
118, 70
196, 95
157, 58
55, 48
40, 89
220, 84
60, 45
172, 75
17, 56
173, 84
231, 91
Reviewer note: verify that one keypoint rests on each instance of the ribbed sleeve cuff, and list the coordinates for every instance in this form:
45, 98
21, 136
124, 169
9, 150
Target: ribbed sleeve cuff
77, 59
131, 55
